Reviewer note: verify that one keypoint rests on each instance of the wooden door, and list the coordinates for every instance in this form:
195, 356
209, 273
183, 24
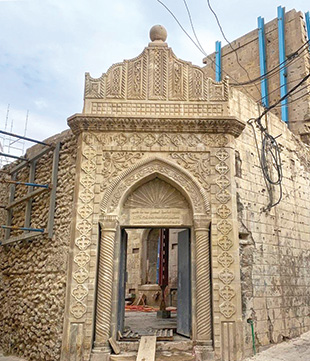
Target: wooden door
184, 319
122, 281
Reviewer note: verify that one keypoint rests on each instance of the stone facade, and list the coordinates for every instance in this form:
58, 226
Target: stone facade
247, 52
274, 245
159, 144
33, 273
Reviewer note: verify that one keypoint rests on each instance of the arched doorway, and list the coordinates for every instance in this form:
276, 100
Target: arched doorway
183, 205
164, 263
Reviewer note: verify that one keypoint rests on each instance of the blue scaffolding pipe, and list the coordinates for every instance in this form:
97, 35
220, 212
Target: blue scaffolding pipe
282, 58
41, 230
218, 61
307, 17
262, 61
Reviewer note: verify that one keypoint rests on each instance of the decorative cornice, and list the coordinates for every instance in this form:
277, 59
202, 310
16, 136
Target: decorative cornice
228, 124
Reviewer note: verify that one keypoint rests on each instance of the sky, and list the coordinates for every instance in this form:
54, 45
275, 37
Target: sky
46, 46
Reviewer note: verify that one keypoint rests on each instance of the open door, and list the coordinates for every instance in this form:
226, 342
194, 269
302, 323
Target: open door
122, 281
184, 319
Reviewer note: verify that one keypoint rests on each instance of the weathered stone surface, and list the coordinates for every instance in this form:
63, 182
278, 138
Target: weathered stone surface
33, 273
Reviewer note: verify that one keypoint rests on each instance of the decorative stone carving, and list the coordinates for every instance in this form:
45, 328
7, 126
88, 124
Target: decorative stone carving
203, 293
161, 139
222, 154
222, 168
84, 227
226, 276
155, 166
227, 309
116, 162
83, 242
225, 259
224, 227
225, 243
223, 196
167, 77
105, 279
82, 258
159, 120
156, 194
227, 293
223, 211
223, 182
196, 163
79, 292
78, 310
80, 275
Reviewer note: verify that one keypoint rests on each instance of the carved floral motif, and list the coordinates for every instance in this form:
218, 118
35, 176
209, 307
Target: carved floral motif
78, 310
226, 276
196, 163
79, 292
227, 309
223, 211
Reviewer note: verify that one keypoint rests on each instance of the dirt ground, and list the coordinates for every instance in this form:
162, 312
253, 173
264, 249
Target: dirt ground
297, 349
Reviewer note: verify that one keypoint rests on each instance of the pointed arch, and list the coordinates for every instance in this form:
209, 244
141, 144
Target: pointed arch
148, 169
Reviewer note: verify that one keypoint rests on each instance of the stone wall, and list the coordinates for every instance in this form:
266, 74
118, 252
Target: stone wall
274, 245
34, 272
247, 50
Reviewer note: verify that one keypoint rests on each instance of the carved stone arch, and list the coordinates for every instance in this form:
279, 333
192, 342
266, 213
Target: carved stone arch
148, 169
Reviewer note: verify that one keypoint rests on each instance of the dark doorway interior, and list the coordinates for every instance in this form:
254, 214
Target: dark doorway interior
155, 283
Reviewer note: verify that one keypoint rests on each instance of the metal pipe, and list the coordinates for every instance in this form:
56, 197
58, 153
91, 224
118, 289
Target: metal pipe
262, 61
25, 183
24, 228
25, 138
307, 17
12, 156
218, 61
282, 58
250, 321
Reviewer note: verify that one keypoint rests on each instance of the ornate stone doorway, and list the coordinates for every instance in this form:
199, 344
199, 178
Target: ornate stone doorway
154, 125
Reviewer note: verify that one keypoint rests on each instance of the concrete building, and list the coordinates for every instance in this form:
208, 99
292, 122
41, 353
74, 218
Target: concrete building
161, 151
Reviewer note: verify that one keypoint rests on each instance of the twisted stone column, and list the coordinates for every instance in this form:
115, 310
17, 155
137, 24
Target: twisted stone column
203, 284
105, 285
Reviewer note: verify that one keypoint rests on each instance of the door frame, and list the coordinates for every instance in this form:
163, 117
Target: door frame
120, 278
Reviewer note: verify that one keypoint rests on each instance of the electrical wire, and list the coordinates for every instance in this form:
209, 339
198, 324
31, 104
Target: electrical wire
192, 25
224, 36
279, 87
269, 155
202, 50
180, 25
282, 98
275, 70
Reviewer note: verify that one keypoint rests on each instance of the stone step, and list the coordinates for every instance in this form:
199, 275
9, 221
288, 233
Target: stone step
171, 346
160, 356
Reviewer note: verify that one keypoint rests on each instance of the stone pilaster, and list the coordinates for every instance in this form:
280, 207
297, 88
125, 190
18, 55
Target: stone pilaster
105, 281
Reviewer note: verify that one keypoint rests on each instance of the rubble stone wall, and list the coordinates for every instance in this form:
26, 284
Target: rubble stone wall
247, 66
33, 272
274, 245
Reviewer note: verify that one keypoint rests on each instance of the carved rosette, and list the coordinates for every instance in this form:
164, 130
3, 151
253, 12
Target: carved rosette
225, 242
82, 257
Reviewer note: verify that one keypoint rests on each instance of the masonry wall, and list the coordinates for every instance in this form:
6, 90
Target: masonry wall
33, 273
274, 245
247, 53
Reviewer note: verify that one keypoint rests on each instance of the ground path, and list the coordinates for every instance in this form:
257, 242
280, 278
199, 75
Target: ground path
297, 349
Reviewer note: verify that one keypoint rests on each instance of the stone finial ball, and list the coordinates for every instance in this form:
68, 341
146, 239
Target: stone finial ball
158, 32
